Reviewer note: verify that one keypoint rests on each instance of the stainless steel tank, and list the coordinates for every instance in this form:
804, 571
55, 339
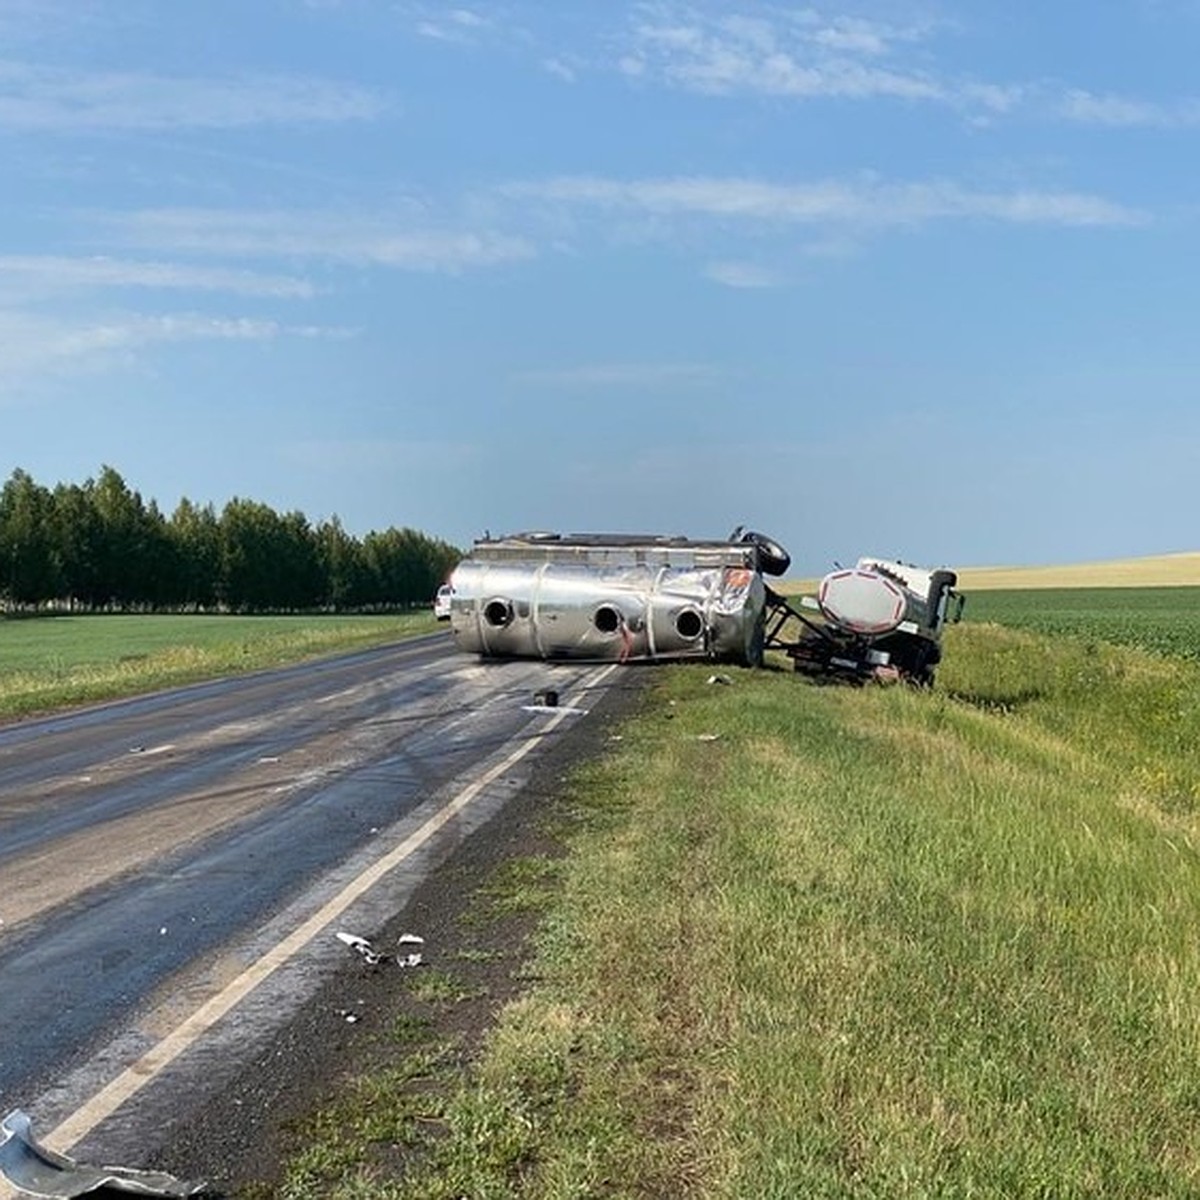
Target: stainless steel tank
609, 597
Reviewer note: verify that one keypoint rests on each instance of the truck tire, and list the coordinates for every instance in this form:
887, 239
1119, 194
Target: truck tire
773, 559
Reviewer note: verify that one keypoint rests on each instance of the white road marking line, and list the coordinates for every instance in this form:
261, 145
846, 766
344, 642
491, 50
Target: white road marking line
105, 1102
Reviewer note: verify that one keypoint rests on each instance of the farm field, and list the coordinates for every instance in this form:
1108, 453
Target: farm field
1151, 571
838, 942
51, 662
1165, 620
1161, 570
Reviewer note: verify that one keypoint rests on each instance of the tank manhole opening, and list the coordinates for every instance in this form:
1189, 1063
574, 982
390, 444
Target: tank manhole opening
607, 619
498, 613
689, 624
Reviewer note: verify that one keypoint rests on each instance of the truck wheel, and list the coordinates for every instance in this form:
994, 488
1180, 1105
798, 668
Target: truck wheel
773, 559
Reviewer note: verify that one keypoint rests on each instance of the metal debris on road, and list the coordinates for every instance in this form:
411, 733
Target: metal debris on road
413, 957
362, 947
36, 1171
373, 957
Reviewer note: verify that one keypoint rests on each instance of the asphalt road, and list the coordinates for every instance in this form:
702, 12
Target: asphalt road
173, 869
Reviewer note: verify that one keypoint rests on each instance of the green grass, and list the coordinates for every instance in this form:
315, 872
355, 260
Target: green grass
1161, 619
871, 943
53, 662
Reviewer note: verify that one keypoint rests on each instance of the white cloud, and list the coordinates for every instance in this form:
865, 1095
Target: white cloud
621, 375
808, 54
861, 202
358, 239
52, 273
460, 26
1123, 112
560, 69
35, 346
49, 100
465, 17
800, 54
742, 275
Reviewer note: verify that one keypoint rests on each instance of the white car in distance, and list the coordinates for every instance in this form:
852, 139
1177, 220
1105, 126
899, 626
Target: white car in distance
441, 602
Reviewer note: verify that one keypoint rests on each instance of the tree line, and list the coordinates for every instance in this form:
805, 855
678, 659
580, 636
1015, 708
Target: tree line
98, 547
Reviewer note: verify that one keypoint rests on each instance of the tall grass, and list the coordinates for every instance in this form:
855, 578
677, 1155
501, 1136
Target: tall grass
872, 942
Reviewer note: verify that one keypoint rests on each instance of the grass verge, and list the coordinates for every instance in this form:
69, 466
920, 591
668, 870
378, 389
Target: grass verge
48, 663
872, 942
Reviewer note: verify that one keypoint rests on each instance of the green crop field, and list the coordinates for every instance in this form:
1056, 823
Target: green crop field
1165, 620
53, 662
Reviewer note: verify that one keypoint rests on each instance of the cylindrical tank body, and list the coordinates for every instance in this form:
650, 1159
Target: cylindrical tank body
562, 609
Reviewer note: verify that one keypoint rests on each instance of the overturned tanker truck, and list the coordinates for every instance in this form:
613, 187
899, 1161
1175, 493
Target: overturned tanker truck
629, 597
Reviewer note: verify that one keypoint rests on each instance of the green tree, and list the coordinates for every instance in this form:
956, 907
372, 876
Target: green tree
343, 567
196, 534
29, 568
77, 537
132, 557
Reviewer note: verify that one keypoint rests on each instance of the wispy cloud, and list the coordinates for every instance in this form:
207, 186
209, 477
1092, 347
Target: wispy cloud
452, 25
621, 375
54, 100
1125, 113
561, 67
32, 346
864, 202
357, 239
808, 54
742, 275
52, 273
799, 53
455, 24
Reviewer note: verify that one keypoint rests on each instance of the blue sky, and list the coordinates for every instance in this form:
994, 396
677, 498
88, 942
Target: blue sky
916, 280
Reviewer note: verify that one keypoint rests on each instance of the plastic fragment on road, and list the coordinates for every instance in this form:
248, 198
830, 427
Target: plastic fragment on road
35, 1171
373, 957
722, 679
707, 737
